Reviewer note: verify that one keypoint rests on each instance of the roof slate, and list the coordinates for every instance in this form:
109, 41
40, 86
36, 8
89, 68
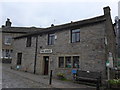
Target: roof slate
67, 26
19, 29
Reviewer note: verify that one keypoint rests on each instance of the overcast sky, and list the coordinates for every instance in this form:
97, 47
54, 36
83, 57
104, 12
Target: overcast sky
28, 13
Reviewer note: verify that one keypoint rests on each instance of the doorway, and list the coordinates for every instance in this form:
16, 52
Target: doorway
19, 58
46, 64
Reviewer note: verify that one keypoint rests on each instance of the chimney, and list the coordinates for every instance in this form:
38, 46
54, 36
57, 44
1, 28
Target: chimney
107, 10
8, 23
52, 25
3, 26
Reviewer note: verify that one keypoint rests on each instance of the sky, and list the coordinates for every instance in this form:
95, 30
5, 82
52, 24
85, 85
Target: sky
43, 13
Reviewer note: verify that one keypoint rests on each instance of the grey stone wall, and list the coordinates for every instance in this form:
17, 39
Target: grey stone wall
91, 50
28, 54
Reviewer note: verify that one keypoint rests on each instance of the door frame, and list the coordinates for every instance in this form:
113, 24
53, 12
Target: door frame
46, 65
19, 58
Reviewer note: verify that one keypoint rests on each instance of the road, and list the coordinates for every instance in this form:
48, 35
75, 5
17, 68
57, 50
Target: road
12, 80
18, 79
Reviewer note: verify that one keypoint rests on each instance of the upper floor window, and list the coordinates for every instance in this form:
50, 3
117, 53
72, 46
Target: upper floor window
51, 39
75, 35
28, 43
8, 40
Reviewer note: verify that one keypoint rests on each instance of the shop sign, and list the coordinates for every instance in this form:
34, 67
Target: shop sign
46, 51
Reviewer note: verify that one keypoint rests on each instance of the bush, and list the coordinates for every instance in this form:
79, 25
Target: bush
114, 83
61, 75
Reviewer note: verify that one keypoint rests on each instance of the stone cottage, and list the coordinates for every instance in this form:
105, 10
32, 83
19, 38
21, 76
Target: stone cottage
84, 45
8, 32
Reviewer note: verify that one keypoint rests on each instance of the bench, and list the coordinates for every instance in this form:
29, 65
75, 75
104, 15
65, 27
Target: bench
88, 77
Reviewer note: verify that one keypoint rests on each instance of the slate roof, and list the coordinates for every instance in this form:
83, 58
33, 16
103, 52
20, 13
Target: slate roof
19, 29
67, 26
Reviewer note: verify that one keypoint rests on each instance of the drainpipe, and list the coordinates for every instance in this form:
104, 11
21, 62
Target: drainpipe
35, 54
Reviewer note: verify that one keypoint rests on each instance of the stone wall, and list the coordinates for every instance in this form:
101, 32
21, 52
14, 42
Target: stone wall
90, 49
28, 54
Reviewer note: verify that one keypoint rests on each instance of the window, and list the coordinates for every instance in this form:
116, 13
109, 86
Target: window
61, 62
19, 58
8, 40
6, 53
68, 63
75, 61
28, 43
3, 53
106, 41
75, 35
51, 39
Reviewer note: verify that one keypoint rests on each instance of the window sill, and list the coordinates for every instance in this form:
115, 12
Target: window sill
51, 45
6, 57
7, 44
28, 46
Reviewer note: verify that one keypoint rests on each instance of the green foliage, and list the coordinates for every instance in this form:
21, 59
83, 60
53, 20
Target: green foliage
114, 82
61, 76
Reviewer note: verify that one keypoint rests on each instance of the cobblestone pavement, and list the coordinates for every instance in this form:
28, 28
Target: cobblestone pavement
11, 80
19, 79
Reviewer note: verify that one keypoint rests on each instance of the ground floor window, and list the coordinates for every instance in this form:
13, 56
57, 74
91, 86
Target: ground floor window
76, 62
7, 53
61, 62
68, 62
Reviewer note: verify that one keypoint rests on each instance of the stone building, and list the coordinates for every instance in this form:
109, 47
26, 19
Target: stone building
7, 33
85, 45
117, 29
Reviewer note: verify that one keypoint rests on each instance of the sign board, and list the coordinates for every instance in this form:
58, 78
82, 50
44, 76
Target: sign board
18, 67
74, 71
46, 51
107, 63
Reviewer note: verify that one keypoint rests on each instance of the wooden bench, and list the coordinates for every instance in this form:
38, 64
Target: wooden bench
88, 77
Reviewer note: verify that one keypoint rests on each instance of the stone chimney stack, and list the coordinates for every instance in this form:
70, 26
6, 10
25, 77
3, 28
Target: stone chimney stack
8, 23
52, 25
107, 10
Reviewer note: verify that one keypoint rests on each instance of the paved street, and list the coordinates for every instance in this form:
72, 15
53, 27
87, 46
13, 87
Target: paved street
12, 80
15, 81
18, 79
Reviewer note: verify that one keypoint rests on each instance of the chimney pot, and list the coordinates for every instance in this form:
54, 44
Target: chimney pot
8, 23
52, 25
